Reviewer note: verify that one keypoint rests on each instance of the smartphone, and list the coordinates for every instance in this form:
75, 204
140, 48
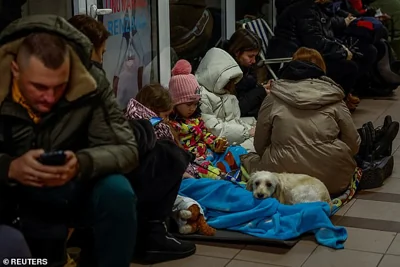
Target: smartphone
55, 158
155, 120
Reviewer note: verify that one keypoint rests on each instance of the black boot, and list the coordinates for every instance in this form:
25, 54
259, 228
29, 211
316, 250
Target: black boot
380, 131
361, 151
366, 143
155, 244
371, 129
383, 146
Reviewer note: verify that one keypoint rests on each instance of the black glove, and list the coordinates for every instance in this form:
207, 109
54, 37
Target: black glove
145, 136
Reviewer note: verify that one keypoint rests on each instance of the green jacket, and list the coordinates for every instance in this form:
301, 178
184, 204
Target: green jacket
87, 120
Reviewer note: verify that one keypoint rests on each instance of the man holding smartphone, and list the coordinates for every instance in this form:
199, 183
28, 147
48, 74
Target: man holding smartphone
64, 144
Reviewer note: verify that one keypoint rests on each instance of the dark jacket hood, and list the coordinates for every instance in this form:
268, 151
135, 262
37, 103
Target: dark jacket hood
300, 70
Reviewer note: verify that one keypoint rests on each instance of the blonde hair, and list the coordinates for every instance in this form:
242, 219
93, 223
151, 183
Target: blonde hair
310, 55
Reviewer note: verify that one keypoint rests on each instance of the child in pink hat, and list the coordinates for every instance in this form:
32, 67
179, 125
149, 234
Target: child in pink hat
186, 118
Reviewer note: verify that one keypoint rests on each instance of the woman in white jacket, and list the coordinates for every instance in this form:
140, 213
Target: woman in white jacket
217, 74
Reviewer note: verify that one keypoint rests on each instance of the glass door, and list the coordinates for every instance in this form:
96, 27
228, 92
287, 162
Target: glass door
131, 60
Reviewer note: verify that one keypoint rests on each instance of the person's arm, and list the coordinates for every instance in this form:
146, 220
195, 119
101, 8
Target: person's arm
208, 138
234, 131
251, 100
348, 131
112, 144
338, 25
262, 136
311, 36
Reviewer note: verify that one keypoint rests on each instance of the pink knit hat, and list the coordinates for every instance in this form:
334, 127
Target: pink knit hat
183, 86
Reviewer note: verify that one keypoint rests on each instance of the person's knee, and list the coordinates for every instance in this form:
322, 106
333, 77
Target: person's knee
114, 193
370, 55
14, 243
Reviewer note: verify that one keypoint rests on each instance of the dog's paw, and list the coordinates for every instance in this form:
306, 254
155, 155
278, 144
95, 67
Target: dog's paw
185, 214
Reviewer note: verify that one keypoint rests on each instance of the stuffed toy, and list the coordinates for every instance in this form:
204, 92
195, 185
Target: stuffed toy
190, 217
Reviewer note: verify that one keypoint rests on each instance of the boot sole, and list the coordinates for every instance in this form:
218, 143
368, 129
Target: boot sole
154, 257
371, 178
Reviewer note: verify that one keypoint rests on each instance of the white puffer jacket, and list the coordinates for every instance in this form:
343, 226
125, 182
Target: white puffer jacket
220, 110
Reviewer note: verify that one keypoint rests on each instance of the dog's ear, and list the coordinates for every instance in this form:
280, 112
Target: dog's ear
278, 194
249, 184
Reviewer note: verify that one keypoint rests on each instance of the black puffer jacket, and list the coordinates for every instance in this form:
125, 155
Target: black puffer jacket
250, 94
305, 23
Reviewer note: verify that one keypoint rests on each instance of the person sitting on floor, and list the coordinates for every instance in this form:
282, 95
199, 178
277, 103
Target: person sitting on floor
186, 119
217, 75
305, 127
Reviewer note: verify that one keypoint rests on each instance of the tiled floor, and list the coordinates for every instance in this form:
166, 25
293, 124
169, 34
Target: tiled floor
372, 221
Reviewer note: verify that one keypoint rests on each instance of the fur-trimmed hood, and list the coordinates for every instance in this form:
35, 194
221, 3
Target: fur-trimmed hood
81, 82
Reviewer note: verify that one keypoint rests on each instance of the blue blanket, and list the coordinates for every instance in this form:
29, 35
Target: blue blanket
229, 206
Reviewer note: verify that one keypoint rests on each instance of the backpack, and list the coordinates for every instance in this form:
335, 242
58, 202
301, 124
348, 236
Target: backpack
367, 28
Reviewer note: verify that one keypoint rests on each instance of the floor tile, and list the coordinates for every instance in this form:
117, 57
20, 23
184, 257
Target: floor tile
195, 260
345, 208
294, 257
391, 185
371, 224
396, 144
368, 240
218, 252
236, 263
377, 196
390, 261
395, 247
325, 257
396, 169
375, 210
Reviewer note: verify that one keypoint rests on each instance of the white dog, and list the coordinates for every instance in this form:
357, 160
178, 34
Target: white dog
288, 188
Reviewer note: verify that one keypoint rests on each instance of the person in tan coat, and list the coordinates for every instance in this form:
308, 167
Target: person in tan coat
305, 127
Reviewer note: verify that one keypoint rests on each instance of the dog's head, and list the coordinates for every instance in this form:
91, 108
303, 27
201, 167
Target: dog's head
263, 184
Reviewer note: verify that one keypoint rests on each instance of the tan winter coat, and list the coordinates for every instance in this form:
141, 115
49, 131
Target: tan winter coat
304, 127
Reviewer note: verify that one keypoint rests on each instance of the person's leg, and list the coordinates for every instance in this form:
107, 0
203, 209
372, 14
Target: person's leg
366, 62
156, 182
12, 244
112, 212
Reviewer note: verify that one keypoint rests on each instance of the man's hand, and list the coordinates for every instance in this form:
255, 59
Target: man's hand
66, 172
267, 86
27, 170
252, 131
349, 19
384, 17
349, 53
